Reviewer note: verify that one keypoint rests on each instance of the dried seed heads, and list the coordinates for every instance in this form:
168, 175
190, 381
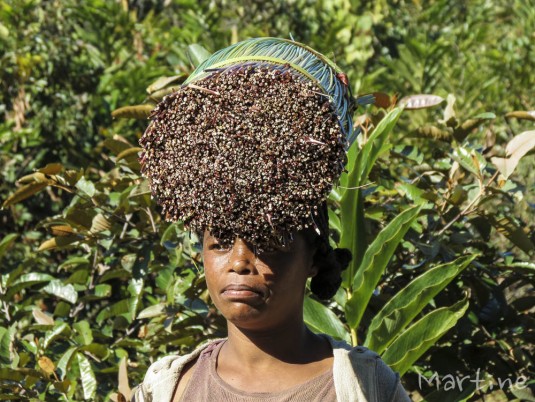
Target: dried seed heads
248, 151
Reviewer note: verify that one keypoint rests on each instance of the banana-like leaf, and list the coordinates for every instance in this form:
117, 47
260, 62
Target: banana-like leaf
321, 319
420, 336
351, 205
87, 377
374, 264
409, 302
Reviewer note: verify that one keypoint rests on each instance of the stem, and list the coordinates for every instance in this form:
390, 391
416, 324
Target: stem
468, 208
354, 337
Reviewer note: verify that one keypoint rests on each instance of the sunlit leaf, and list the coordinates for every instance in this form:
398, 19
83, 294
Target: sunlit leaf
87, 376
374, 263
420, 336
58, 289
422, 101
321, 319
46, 365
520, 114
24, 192
52, 169
409, 302
124, 386
42, 318
197, 54
140, 112
162, 82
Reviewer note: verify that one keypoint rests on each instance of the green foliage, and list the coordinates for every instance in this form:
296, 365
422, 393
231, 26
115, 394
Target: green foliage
437, 204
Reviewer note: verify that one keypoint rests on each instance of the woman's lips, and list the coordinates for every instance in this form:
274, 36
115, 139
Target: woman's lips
240, 292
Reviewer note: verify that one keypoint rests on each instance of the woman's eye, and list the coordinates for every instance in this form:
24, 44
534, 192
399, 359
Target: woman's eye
216, 246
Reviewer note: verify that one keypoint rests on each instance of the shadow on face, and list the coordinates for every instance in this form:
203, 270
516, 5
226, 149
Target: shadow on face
258, 290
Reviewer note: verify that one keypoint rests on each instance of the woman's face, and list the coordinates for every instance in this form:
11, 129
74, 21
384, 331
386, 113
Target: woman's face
257, 292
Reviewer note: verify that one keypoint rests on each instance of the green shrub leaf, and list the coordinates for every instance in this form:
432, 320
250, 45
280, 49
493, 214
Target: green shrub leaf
420, 336
409, 302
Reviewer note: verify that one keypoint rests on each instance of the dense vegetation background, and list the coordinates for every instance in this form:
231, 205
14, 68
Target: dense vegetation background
95, 285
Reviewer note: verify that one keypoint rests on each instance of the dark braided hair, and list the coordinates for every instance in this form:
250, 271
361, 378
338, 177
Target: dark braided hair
330, 262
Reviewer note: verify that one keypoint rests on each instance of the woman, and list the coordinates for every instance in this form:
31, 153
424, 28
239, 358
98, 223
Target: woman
246, 153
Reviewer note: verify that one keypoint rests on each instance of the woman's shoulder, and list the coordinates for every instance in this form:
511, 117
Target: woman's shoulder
162, 376
361, 374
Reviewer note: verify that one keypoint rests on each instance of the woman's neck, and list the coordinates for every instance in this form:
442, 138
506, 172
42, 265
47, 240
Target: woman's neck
293, 343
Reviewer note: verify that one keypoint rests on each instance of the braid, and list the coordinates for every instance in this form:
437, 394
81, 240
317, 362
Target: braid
330, 262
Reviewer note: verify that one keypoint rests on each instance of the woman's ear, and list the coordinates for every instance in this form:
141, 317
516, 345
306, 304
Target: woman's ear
313, 271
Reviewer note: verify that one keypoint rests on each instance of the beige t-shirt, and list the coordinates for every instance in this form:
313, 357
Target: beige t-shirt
206, 385
359, 376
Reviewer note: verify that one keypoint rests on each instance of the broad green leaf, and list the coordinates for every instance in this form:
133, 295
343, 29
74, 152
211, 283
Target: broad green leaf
84, 330
103, 290
58, 329
6, 242
162, 82
128, 152
86, 186
65, 292
87, 377
410, 152
140, 189
65, 361
32, 278
409, 302
7, 337
471, 160
51, 169
321, 319
152, 311
74, 262
197, 54
419, 337
96, 349
58, 242
507, 227
24, 192
140, 112
374, 264
522, 114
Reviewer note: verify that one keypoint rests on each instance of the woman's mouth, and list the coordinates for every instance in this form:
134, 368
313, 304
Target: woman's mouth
243, 293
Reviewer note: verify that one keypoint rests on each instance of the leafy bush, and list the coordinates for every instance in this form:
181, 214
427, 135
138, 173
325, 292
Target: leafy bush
95, 285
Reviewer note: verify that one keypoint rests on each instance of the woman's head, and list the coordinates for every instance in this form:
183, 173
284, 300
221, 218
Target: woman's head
261, 290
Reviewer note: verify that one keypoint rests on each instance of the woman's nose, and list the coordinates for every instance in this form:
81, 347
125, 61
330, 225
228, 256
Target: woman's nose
242, 258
